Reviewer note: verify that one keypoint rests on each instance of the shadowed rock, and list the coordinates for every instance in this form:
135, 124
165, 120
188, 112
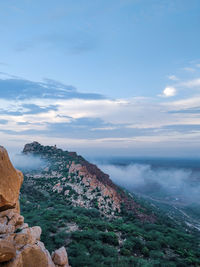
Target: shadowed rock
7, 251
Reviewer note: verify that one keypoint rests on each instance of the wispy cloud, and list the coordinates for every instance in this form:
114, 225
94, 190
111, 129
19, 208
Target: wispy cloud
76, 43
173, 78
189, 69
191, 83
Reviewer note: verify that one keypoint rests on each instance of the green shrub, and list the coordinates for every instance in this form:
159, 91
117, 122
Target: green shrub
153, 245
156, 254
125, 252
109, 238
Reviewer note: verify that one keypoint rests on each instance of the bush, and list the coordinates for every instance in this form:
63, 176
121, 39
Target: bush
145, 251
153, 245
109, 238
156, 254
133, 243
125, 252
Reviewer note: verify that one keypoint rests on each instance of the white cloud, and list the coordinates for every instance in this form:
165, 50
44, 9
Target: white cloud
135, 113
104, 128
143, 122
191, 83
173, 78
189, 69
169, 91
186, 103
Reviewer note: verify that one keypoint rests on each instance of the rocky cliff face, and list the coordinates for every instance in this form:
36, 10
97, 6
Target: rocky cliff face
20, 244
82, 183
10, 183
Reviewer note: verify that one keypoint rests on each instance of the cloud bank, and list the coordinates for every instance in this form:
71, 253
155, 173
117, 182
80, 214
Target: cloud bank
52, 112
26, 162
142, 178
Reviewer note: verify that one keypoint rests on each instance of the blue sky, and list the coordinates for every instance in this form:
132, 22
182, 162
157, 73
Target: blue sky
120, 77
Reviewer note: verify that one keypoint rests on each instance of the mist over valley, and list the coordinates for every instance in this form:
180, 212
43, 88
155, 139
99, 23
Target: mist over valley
173, 185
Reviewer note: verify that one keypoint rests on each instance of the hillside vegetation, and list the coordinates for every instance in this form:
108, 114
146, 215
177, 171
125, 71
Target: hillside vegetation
99, 223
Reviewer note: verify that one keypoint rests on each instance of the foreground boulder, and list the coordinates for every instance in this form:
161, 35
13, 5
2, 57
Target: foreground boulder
10, 182
20, 245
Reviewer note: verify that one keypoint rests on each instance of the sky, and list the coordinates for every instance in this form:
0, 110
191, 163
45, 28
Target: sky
117, 77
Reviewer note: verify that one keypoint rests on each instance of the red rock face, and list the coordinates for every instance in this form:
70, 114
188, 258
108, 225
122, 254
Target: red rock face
109, 198
95, 178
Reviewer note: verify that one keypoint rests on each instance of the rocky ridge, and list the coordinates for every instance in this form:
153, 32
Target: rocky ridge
82, 183
20, 245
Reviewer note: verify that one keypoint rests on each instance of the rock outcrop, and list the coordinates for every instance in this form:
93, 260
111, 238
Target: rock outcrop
60, 257
10, 183
91, 187
20, 245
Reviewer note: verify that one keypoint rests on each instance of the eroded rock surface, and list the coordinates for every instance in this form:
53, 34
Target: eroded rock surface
10, 182
20, 245
7, 250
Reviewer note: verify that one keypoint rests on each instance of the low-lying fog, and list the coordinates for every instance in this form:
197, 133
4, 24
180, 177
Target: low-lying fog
177, 184
26, 162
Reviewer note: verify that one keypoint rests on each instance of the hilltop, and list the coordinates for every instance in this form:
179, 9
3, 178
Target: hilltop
83, 183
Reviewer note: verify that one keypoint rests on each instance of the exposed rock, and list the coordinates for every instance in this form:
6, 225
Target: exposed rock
7, 251
60, 257
5, 229
15, 262
23, 248
35, 232
10, 182
91, 187
21, 240
20, 245
23, 226
16, 220
36, 255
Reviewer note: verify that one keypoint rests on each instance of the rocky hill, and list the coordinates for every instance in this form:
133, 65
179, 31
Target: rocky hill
83, 183
100, 224
20, 245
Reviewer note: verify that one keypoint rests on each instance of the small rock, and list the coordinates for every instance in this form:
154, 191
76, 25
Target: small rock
7, 251
60, 257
